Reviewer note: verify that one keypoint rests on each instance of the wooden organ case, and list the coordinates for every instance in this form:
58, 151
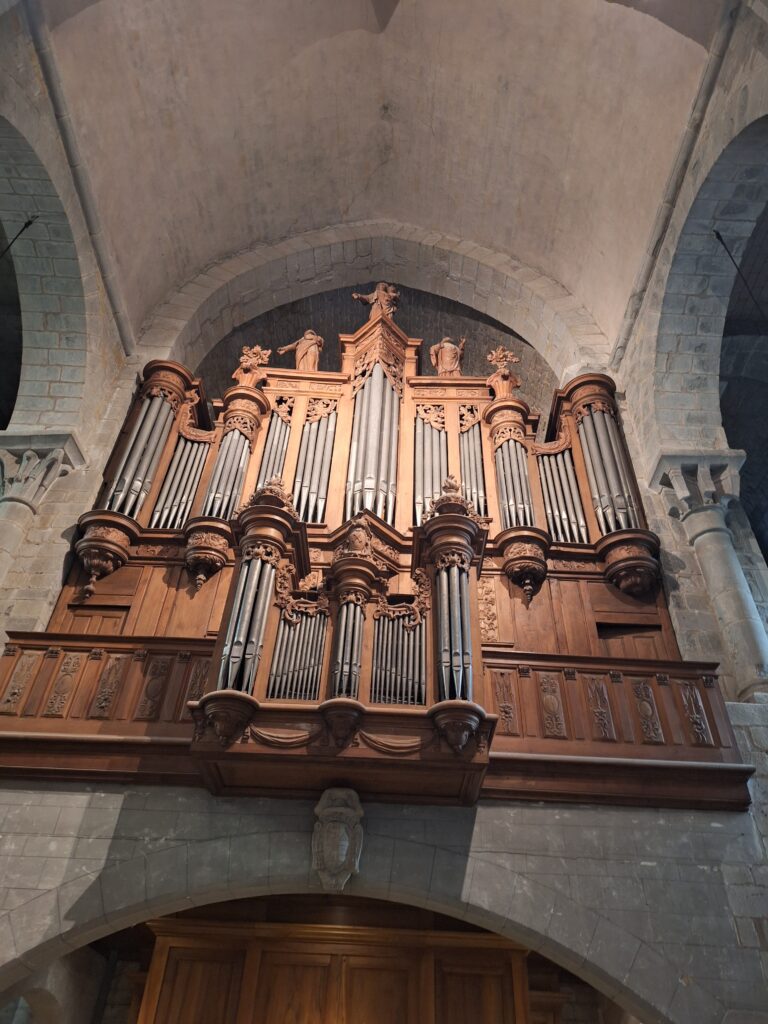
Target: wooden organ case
369, 578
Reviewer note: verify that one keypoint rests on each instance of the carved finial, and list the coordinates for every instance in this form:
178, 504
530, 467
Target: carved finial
383, 299
446, 357
503, 382
273, 492
250, 372
451, 486
307, 349
450, 500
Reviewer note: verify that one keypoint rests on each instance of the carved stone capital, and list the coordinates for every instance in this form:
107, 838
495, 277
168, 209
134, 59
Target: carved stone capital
104, 546
631, 560
36, 462
689, 480
525, 550
208, 543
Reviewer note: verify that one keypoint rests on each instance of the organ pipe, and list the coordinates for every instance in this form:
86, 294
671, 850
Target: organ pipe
275, 448
399, 664
298, 657
345, 668
244, 638
181, 480
515, 498
310, 487
141, 455
562, 500
608, 469
227, 478
472, 473
372, 468
455, 668
431, 458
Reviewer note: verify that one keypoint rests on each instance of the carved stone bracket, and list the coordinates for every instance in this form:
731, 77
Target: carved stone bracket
208, 543
337, 838
41, 459
104, 546
631, 560
689, 480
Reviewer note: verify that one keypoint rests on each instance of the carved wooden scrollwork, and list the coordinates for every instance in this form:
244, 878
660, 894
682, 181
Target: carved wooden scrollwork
319, 408
469, 415
434, 415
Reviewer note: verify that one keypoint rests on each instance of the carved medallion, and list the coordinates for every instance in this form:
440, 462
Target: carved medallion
337, 839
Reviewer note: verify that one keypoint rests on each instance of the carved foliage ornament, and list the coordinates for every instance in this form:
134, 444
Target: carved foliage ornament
434, 415
33, 477
266, 552
319, 408
502, 382
337, 839
412, 613
469, 415
293, 606
188, 421
249, 373
507, 432
283, 407
272, 493
450, 558
489, 620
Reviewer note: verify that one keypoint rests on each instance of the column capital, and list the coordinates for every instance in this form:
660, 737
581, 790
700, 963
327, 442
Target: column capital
691, 480
42, 457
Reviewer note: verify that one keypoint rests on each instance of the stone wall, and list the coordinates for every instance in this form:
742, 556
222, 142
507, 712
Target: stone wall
662, 910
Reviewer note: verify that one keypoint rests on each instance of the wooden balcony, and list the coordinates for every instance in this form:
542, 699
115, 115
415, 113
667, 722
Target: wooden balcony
567, 728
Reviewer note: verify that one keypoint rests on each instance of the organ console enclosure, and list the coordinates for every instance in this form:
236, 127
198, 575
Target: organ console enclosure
375, 579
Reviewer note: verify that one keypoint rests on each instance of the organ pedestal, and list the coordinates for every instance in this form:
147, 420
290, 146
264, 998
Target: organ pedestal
375, 579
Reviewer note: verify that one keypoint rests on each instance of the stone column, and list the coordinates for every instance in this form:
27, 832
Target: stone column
42, 459
698, 490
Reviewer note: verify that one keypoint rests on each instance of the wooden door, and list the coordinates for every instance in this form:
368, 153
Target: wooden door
379, 990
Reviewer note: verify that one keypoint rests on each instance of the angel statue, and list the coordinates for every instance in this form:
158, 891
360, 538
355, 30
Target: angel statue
447, 357
502, 382
307, 349
383, 299
250, 371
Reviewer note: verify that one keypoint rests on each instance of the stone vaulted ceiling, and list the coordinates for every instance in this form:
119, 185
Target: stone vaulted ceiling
543, 130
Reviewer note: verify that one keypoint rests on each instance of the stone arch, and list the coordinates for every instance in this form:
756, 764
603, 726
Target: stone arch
443, 875
698, 288
238, 289
50, 289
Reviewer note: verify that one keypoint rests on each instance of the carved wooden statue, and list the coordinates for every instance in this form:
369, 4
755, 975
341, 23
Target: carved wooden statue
502, 382
250, 372
383, 299
446, 357
307, 349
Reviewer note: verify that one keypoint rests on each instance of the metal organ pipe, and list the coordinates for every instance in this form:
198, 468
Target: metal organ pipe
345, 672
180, 483
472, 473
227, 478
455, 670
430, 465
298, 657
562, 500
143, 449
245, 630
608, 470
310, 487
514, 488
372, 467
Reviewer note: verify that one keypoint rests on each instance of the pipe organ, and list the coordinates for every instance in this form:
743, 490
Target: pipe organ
370, 575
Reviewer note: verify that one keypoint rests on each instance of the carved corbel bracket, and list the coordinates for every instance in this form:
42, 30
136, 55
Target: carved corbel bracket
224, 713
631, 560
689, 480
525, 550
463, 725
104, 546
342, 717
208, 543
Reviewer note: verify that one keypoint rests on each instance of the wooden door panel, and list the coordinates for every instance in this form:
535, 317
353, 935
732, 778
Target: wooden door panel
380, 990
294, 988
466, 994
200, 986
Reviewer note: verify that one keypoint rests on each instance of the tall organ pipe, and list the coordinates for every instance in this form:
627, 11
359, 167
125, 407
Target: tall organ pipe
345, 671
455, 671
244, 637
430, 457
310, 486
143, 449
514, 488
372, 467
227, 478
180, 483
472, 472
562, 500
608, 470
